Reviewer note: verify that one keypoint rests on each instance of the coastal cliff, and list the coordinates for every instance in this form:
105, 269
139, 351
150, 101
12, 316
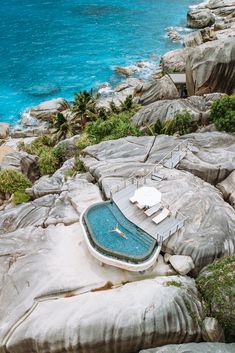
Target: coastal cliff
54, 295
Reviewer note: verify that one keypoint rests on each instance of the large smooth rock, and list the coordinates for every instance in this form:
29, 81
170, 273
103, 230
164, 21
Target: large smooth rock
4, 130
175, 60
182, 264
214, 4
194, 39
118, 95
198, 18
72, 302
47, 110
64, 205
210, 68
4, 151
212, 158
203, 347
227, 187
164, 88
164, 110
23, 162
209, 230
212, 331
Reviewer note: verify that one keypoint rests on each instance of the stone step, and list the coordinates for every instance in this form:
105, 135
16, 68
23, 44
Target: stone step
176, 157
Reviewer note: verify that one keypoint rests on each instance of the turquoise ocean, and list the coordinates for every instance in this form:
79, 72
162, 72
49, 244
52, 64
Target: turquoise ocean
54, 48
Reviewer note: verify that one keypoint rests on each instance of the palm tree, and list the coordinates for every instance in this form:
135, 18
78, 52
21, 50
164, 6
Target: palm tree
85, 107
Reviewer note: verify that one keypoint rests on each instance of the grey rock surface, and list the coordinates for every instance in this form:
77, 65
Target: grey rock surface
80, 306
210, 68
175, 60
212, 331
214, 4
164, 110
163, 88
128, 88
182, 264
213, 156
198, 18
4, 130
204, 35
52, 288
46, 110
208, 232
74, 196
227, 187
23, 162
203, 347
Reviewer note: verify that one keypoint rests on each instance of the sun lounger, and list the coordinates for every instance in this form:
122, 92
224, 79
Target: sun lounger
153, 209
161, 216
132, 199
141, 207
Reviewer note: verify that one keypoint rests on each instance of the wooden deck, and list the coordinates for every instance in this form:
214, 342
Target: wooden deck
161, 231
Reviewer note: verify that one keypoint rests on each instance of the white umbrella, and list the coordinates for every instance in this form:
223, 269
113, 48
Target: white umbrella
147, 196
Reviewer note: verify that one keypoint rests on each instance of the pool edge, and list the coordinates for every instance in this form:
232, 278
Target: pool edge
138, 267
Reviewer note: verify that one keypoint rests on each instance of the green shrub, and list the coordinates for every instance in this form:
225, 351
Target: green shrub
115, 127
79, 165
180, 124
217, 286
83, 141
183, 122
38, 145
48, 163
223, 113
69, 173
61, 153
12, 181
20, 197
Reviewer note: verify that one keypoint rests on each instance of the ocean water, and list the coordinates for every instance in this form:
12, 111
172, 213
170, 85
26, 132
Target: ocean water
54, 48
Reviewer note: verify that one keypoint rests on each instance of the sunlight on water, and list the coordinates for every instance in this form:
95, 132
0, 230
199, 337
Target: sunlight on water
56, 48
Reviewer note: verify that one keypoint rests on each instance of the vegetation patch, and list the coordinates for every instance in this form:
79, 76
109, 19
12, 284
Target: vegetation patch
174, 283
223, 113
181, 124
20, 197
113, 128
14, 182
217, 286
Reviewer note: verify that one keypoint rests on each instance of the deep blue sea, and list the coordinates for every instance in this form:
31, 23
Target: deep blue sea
54, 48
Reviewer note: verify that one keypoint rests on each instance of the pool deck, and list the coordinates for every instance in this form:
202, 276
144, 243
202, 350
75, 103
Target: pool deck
159, 232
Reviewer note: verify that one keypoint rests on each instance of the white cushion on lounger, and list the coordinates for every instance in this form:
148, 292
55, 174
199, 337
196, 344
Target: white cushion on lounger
161, 216
132, 199
153, 209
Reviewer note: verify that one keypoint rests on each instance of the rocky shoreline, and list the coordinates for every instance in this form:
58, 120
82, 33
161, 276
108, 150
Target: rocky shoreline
54, 296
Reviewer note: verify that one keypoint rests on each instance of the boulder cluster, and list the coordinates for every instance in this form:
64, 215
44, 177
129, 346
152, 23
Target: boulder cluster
54, 296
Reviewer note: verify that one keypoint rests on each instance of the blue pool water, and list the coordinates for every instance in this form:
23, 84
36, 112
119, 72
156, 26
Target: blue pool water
53, 48
102, 218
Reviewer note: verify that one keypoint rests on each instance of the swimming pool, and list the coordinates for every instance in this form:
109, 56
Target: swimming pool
129, 243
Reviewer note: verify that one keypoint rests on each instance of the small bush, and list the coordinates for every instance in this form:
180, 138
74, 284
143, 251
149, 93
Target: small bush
48, 163
223, 113
79, 165
113, 128
83, 141
180, 124
69, 173
61, 153
12, 181
217, 286
38, 145
20, 197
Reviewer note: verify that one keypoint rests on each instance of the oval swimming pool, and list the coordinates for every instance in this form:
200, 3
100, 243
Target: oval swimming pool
112, 234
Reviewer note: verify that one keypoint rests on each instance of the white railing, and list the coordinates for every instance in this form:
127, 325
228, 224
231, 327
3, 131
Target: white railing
139, 180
